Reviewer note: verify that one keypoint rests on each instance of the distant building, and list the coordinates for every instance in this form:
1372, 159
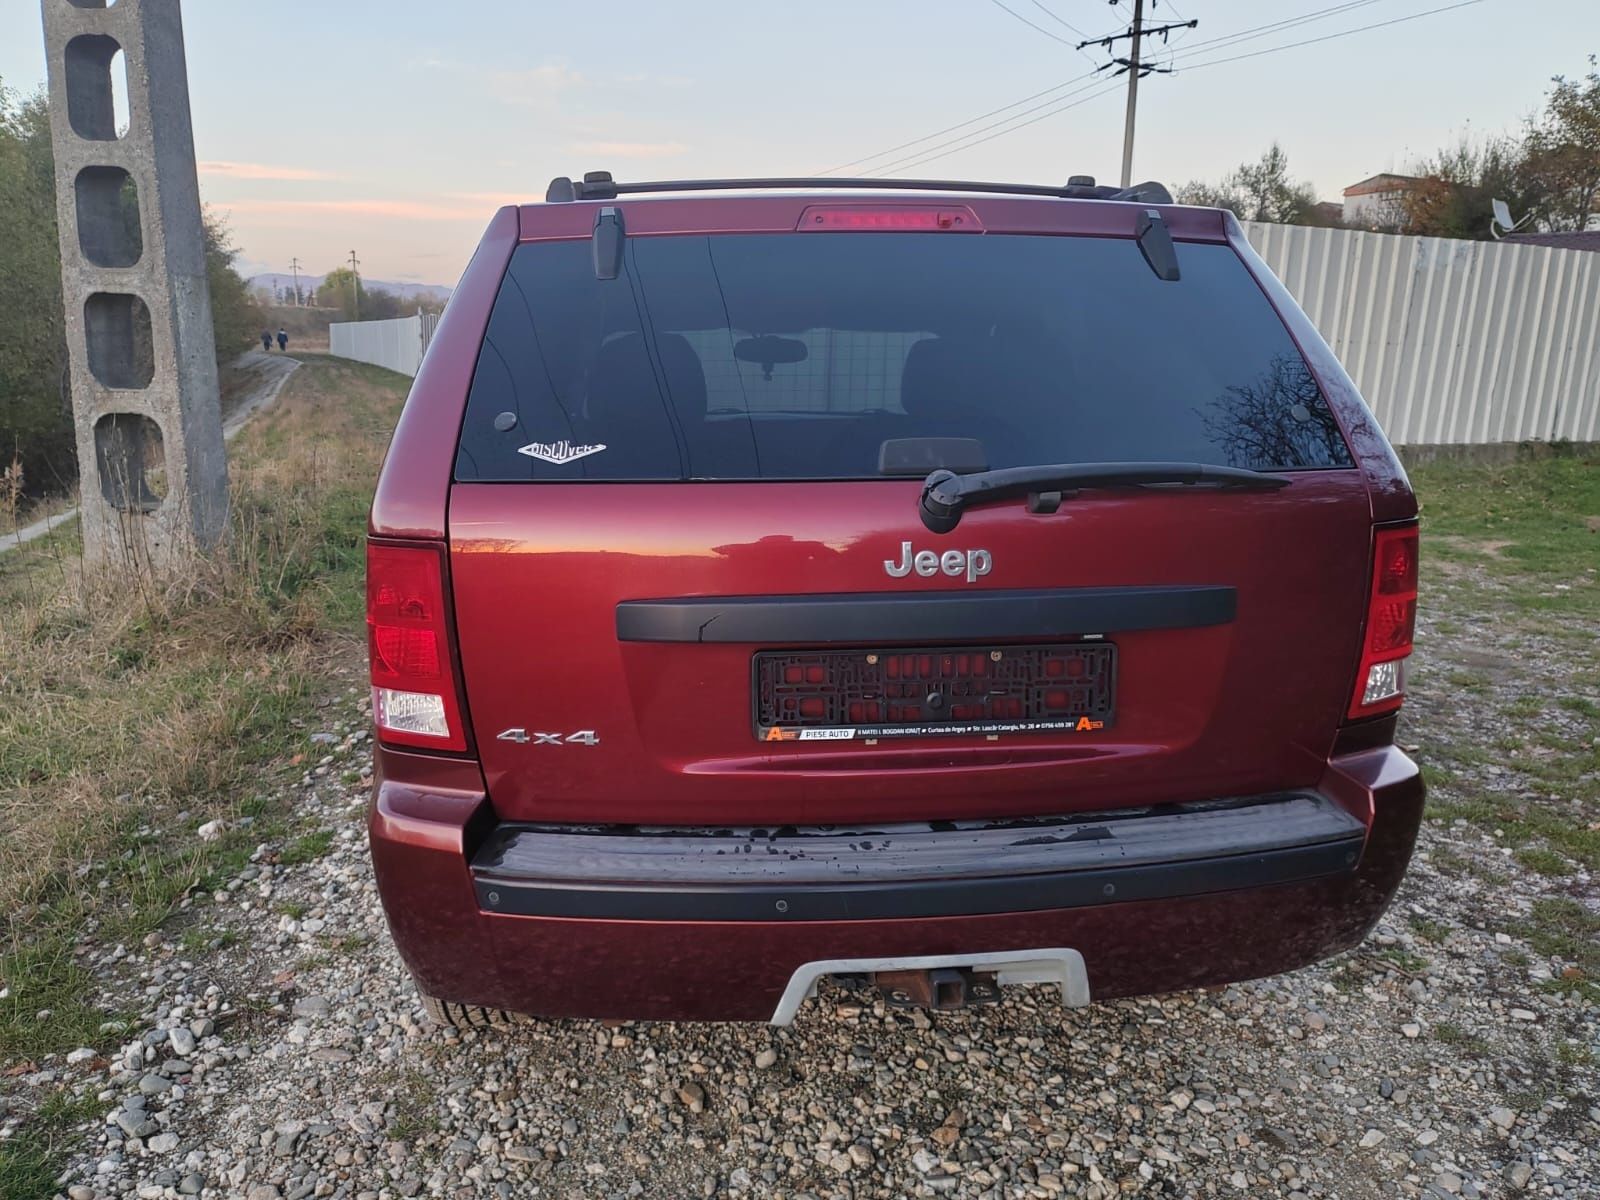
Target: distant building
1327, 213
1378, 203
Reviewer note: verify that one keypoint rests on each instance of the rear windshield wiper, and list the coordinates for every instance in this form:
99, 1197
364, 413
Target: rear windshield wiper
946, 495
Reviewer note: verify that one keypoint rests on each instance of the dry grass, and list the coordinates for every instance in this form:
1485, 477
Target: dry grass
10, 492
126, 700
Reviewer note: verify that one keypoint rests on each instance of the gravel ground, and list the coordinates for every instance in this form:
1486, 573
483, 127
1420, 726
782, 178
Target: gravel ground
288, 1058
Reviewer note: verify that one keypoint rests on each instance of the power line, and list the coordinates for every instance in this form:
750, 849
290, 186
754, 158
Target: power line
1060, 20
1189, 47
885, 168
1047, 33
1216, 43
1217, 62
1030, 24
1011, 125
928, 137
1259, 31
1104, 91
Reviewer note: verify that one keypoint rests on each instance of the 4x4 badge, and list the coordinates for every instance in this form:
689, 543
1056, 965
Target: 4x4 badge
584, 737
558, 452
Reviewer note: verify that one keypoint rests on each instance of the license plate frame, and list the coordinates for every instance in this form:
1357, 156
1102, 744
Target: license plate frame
1019, 698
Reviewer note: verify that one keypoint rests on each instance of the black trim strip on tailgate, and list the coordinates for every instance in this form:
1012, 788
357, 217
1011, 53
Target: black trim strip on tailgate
928, 616
898, 872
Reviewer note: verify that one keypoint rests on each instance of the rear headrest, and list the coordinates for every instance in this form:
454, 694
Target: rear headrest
623, 390
935, 384
686, 375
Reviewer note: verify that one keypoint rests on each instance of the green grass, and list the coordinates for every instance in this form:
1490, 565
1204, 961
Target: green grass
1561, 927
1574, 1054
196, 940
1579, 986
31, 1160
1405, 959
1437, 775
1447, 861
415, 1101
1544, 507
1524, 826
1453, 1035
123, 702
1545, 862
1430, 930
29, 1164
306, 848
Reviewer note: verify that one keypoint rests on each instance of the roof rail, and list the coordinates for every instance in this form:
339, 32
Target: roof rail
599, 185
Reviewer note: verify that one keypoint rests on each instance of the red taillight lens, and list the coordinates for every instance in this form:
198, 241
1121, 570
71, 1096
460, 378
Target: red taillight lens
944, 218
1395, 562
414, 699
1391, 623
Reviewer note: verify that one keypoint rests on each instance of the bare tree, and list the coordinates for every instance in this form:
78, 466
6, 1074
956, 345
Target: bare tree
1281, 420
1258, 191
1564, 151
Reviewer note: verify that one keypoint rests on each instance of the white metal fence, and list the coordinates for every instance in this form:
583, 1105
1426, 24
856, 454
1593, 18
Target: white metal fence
397, 345
1452, 342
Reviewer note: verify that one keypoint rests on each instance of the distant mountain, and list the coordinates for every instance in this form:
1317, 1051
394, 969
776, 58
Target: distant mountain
273, 282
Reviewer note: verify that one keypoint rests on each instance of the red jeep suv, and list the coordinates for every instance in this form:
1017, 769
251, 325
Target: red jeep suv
930, 585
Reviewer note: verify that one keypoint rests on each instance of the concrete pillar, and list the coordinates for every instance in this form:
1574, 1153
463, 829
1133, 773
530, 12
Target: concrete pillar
153, 477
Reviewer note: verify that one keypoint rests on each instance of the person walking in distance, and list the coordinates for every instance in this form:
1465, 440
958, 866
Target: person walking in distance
283, 339
266, 340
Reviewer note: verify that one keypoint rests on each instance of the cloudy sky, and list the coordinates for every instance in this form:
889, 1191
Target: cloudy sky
396, 128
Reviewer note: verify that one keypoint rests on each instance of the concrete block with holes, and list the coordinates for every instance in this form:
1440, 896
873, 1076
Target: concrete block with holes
145, 399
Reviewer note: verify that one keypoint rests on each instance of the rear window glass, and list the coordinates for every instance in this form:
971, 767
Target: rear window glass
796, 356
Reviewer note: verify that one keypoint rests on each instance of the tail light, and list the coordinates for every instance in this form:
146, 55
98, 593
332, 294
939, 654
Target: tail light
1391, 623
414, 697
946, 218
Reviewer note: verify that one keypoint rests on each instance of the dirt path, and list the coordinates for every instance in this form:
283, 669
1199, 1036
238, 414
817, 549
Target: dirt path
257, 380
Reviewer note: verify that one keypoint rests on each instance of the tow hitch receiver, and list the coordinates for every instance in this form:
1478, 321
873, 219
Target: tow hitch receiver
943, 988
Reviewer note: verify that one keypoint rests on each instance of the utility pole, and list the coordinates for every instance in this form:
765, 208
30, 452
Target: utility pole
1136, 69
294, 266
138, 330
1137, 33
355, 287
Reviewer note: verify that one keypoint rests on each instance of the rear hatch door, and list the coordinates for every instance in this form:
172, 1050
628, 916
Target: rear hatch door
687, 593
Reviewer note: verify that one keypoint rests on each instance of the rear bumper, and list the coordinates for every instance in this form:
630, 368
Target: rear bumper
604, 926
901, 871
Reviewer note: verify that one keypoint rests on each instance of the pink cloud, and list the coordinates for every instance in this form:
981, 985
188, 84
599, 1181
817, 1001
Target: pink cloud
246, 170
535, 86
404, 210
500, 199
